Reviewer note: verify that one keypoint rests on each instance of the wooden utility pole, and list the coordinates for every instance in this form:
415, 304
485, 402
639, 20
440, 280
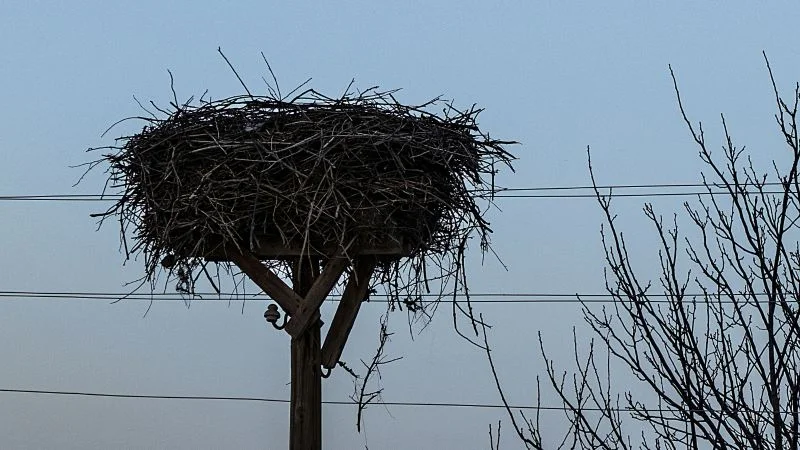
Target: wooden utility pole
312, 281
305, 422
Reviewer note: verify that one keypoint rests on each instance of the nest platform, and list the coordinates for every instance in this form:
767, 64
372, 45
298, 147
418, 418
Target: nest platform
312, 176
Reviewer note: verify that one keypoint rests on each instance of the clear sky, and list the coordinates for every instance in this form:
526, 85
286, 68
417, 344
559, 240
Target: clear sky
556, 76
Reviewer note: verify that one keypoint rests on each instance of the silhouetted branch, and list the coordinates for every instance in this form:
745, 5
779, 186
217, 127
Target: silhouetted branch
363, 395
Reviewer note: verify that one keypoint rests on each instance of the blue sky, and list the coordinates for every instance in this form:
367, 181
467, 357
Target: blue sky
556, 76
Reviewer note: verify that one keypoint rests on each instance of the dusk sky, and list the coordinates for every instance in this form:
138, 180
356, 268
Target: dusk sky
555, 76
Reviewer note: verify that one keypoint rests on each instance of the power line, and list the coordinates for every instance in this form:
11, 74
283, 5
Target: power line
628, 186
255, 399
324, 402
630, 195
486, 297
607, 190
62, 198
512, 192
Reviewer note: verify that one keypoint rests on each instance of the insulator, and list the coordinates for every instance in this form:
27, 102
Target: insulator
272, 314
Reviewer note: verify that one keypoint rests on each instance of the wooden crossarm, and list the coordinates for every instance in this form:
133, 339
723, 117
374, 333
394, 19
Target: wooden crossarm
266, 279
354, 294
309, 307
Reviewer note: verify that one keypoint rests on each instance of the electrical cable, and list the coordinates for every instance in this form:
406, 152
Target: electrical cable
485, 297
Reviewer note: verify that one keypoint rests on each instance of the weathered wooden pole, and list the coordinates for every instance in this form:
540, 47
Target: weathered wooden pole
311, 284
305, 421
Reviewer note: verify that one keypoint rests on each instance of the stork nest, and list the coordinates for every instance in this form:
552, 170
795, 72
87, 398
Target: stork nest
316, 173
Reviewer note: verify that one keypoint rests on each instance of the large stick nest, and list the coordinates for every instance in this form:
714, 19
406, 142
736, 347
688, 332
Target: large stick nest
316, 173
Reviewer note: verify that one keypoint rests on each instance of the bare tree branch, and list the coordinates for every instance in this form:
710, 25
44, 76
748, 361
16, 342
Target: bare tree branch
718, 370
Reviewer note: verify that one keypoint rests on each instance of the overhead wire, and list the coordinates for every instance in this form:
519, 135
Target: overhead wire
479, 297
510, 192
325, 402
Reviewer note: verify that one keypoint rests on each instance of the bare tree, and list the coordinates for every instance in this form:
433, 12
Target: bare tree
714, 346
